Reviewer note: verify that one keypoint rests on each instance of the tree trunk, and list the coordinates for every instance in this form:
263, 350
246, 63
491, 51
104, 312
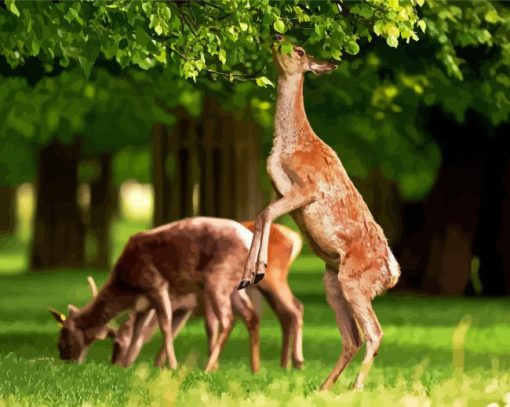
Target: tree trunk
503, 240
436, 254
101, 210
7, 210
229, 159
493, 233
207, 167
452, 219
160, 177
58, 239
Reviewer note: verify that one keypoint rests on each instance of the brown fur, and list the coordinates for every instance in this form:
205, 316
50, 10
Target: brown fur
314, 187
284, 246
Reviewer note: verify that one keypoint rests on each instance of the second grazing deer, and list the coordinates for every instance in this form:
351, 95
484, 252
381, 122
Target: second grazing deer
314, 187
284, 246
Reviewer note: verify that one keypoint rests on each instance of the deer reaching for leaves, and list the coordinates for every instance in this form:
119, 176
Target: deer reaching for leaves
314, 187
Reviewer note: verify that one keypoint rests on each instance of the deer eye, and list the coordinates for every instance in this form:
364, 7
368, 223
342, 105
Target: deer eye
300, 52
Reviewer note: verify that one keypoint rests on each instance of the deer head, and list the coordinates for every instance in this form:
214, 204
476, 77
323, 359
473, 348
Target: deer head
298, 62
71, 342
74, 340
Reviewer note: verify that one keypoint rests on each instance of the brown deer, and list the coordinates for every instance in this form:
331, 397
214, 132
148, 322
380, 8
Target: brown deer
152, 270
314, 187
284, 246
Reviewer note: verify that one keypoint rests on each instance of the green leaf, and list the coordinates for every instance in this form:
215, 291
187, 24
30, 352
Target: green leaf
393, 31
378, 28
279, 26
222, 56
243, 26
423, 25
352, 48
12, 7
492, 17
392, 41
263, 82
286, 48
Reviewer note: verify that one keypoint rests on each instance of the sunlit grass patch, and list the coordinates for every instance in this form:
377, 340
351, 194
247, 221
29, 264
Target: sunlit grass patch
415, 365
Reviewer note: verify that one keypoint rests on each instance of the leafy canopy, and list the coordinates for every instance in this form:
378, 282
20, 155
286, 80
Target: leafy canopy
223, 37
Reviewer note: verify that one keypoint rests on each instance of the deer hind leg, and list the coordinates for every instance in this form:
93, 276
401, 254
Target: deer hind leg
361, 304
222, 307
244, 307
290, 314
351, 336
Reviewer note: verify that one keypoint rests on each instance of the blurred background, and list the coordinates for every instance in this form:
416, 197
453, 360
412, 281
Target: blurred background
87, 160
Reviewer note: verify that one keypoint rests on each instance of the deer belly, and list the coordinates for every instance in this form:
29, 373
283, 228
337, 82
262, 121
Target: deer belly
319, 232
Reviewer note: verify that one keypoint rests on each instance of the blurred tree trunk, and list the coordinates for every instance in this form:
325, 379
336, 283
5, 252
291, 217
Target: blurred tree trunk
437, 248
101, 210
503, 241
207, 166
493, 234
58, 239
229, 160
7, 210
160, 178
452, 213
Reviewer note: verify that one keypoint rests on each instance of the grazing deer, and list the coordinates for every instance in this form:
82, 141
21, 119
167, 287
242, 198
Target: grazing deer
151, 270
284, 247
314, 187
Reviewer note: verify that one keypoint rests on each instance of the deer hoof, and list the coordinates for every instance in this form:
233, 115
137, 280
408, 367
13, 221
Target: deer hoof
298, 364
243, 284
258, 277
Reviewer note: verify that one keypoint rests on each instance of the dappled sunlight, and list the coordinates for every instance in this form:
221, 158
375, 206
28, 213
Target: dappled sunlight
136, 200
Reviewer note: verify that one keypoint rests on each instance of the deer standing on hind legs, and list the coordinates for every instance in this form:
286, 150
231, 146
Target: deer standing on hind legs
314, 187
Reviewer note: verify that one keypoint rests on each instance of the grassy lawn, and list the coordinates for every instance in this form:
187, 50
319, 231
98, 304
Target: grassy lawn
415, 365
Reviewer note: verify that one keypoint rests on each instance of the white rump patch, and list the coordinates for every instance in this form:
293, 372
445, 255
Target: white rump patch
244, 234
394, 269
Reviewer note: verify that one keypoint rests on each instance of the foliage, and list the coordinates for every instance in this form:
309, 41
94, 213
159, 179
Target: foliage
135, 54
414, 365
213, 36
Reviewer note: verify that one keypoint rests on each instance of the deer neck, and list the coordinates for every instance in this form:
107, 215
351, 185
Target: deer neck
106, 305
291, 123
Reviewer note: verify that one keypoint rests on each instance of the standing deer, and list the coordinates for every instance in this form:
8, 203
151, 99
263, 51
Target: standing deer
284, 246
314, 187
152, 269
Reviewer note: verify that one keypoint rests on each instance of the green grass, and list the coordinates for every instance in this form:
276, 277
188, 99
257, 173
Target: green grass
414, 366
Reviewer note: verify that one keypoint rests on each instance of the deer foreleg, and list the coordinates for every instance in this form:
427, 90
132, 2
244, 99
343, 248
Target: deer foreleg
296, 197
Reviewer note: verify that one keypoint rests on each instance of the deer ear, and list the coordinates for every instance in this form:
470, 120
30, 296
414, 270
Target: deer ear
59, 317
